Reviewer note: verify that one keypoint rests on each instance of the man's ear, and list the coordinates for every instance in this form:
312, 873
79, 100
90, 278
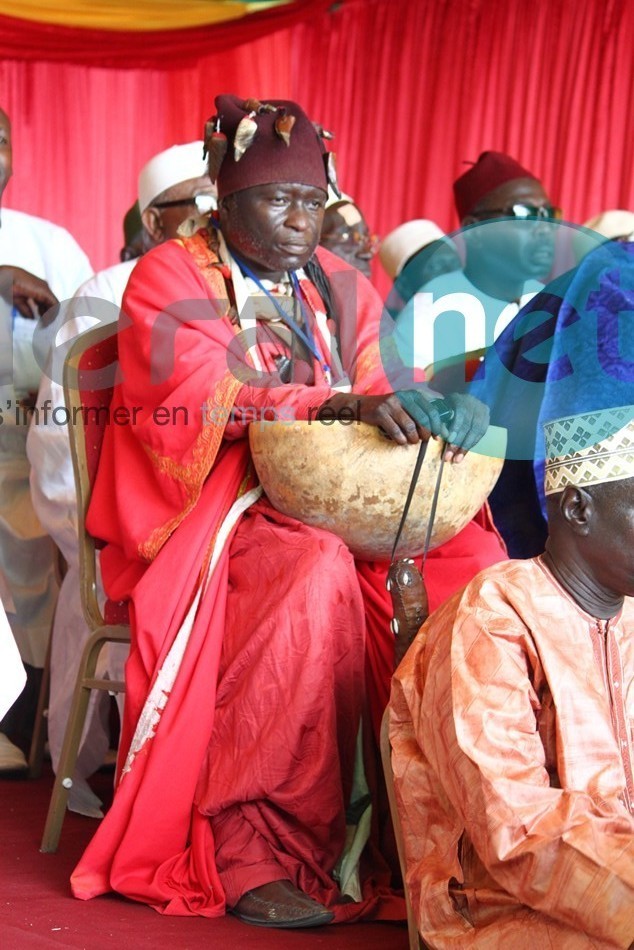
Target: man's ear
153, 224
577, 509
224, 208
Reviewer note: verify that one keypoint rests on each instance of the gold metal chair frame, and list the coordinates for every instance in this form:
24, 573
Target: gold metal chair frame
101, 631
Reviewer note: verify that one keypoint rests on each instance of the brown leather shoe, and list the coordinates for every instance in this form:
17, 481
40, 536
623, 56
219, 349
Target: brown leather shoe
280, 904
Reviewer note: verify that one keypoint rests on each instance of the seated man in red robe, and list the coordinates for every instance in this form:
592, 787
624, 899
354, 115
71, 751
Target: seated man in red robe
245, 682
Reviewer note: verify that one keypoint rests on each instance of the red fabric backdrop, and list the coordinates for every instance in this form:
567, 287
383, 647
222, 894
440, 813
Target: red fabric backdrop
411, 89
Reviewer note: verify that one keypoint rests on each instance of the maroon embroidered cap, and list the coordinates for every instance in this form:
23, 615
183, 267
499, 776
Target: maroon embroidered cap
259, 143
490, 171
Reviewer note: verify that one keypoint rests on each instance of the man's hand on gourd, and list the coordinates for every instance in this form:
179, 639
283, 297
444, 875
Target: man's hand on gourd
411, 416
459, 419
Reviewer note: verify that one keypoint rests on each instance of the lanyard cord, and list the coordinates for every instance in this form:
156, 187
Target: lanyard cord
305, 336
300, 299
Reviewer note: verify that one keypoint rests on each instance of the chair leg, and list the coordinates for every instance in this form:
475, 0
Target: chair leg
72, 738
38, 739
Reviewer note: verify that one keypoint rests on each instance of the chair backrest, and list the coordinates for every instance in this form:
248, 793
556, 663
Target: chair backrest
415, 942
89, 377
451, 374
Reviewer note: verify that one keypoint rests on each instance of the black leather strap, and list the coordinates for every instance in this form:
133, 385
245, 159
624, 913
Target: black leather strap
410, 495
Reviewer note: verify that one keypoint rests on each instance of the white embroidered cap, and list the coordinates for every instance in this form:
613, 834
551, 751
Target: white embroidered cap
405, 241
589, 449
175, 164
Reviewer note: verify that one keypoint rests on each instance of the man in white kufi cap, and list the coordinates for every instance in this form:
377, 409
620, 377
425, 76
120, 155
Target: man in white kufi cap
405, 241
413, 254
172, 187
511, 723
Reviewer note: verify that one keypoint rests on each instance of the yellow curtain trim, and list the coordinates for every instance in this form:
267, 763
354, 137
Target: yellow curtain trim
123, 15
256, 5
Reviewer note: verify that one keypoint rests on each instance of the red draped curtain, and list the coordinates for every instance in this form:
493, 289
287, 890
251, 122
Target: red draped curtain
81, 134
412, 89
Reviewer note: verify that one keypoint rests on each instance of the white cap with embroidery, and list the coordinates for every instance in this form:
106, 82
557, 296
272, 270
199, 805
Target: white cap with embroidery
405, 241
175, 164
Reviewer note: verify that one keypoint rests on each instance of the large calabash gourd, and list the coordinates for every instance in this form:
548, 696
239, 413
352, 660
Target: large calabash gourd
350, 480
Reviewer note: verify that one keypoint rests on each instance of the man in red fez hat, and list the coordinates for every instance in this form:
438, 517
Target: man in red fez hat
245, 683
501, 260
507, 263
506, 219
505, 213
476, 189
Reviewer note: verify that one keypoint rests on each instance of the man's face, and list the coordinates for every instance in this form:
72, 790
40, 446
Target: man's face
347, 235
162, 223
433, 260
519, 249
273, 228
6, 166
609, 547
169, 209
436, 259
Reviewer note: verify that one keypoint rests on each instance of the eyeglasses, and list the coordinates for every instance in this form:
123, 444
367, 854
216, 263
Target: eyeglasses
522, 211
204, 203
356, 240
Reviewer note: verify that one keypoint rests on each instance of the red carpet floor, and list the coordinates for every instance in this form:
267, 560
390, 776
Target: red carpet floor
37, 910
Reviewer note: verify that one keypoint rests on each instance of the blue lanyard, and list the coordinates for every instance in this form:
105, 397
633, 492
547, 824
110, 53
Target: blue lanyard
306, 337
